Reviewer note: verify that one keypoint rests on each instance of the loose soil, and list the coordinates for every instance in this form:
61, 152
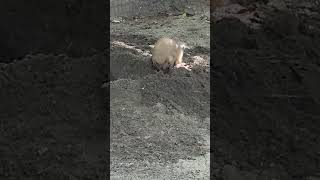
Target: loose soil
53, 118
159, 122
266, 104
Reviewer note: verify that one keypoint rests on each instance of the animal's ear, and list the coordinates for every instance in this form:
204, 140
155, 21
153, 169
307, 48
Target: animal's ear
152, 47
183, 46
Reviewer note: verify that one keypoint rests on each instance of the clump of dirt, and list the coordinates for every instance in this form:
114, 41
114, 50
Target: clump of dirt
266, 107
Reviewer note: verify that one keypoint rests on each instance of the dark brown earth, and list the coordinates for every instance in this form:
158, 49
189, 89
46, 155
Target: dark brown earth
73, 27
53, 115
266, 106
52, 107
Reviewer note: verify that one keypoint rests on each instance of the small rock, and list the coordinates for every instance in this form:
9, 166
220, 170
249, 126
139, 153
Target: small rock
116, 20
42, 150
189, 12
105, 85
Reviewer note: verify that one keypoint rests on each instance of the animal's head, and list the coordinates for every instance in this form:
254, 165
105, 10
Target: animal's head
181, 45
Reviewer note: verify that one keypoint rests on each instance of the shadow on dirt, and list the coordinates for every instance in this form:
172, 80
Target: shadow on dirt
128, 64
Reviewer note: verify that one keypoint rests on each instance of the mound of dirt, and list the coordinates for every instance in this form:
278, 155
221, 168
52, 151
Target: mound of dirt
266, 109
53, 118
156, 121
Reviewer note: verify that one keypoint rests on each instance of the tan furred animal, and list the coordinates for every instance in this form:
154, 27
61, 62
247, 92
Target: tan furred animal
166, 54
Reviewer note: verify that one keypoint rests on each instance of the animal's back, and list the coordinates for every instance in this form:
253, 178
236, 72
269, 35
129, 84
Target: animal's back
166, 54
164, 50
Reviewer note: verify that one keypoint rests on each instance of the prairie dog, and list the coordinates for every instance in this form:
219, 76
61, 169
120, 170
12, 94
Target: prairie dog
167, 53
